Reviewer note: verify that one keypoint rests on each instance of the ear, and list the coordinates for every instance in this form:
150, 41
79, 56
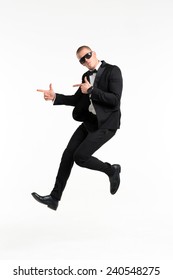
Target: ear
94, 53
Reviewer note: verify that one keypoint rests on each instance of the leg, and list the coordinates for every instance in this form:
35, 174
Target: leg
94, 140
80, 149
83, 157
67, 161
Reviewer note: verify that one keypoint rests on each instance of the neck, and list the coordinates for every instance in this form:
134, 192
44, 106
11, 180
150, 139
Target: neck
95, 65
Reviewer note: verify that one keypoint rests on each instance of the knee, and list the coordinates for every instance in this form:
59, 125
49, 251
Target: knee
79, 159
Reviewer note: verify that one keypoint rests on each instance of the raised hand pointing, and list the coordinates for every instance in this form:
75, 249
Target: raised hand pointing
84, 86
48, 94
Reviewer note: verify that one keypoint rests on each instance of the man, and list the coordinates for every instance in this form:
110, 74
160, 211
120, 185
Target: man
97, 105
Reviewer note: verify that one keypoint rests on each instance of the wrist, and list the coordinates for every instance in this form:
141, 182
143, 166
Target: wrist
54, 97
90, 89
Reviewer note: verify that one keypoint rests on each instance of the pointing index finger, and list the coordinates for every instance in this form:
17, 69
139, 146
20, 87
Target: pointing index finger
77, 85
41, 90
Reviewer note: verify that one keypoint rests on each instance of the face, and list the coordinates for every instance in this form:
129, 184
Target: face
90, 61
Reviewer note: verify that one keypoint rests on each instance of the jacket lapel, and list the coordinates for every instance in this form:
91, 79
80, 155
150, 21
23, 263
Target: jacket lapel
99, 73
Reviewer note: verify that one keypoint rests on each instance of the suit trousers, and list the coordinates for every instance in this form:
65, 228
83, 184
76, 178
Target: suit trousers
80, 149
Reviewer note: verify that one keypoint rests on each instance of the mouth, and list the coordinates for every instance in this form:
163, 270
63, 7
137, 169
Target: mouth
89, 64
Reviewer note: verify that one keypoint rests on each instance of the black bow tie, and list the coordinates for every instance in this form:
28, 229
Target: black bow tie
91, 72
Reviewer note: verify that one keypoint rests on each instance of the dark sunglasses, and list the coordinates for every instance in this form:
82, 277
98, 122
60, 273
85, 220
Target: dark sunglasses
86, 56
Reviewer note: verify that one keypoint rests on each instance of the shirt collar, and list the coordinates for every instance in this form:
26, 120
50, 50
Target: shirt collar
98, 65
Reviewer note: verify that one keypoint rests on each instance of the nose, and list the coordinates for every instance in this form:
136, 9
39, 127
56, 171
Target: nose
87, 59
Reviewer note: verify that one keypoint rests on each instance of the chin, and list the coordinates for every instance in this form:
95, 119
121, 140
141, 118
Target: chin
90, 67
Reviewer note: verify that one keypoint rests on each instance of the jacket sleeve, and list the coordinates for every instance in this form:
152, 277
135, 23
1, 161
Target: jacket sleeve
112, 95
69, 100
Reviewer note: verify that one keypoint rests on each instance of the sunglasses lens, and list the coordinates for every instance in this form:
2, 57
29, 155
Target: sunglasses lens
87, 56
82, 60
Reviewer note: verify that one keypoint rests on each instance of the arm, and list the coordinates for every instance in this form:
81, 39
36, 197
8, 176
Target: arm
70, 100
60, 99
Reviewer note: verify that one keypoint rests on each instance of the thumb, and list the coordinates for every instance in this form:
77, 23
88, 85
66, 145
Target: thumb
86, 80
50, 87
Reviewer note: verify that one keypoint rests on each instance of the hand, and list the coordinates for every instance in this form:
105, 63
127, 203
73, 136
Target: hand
84, 86
48, 94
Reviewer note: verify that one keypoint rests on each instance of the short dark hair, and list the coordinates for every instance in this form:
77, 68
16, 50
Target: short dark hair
83, 47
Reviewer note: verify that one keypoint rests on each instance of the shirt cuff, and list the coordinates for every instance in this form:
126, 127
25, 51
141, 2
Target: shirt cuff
90, 89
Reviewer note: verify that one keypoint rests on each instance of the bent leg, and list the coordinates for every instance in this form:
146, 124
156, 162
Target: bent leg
94, 140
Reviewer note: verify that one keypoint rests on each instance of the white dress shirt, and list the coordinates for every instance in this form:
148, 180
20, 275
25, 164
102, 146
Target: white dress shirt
92, 79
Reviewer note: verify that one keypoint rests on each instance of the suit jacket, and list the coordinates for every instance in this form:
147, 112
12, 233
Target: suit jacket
105, 95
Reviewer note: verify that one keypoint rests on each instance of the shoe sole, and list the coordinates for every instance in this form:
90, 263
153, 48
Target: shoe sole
116, 189
52, 207
118, 168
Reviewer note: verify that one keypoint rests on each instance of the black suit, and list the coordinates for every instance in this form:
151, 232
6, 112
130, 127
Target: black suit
94, 130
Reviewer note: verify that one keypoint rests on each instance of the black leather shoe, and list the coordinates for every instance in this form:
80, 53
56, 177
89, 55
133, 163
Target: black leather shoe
48, 200
115, 179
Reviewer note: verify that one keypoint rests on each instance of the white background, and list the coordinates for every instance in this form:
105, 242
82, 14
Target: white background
38, 44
